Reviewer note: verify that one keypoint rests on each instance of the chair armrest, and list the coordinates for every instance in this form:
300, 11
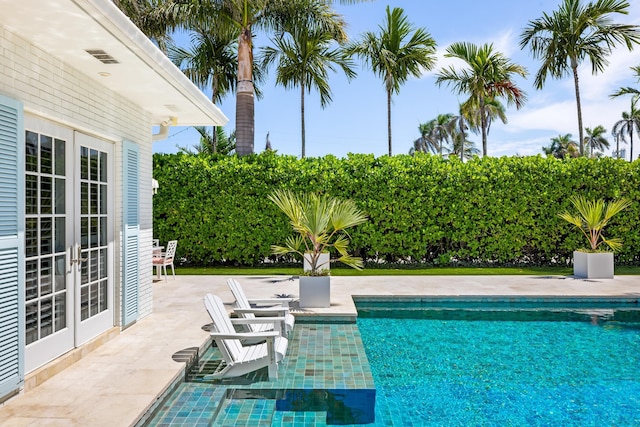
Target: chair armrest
262, 310
245, 335
274, 301
240, 321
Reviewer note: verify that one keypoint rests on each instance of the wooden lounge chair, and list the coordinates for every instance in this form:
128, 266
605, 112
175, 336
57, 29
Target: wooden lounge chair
238, 358
247, 309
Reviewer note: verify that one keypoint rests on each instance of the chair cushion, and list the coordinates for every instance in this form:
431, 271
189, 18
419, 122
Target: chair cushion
157, 260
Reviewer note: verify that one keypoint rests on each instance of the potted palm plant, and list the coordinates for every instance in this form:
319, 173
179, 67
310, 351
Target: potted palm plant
319, 222
594, 262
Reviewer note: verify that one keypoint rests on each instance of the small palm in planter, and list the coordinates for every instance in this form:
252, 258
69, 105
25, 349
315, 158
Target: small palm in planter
320, 222
592, 218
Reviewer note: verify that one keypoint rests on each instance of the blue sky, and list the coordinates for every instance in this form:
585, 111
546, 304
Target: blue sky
356, 121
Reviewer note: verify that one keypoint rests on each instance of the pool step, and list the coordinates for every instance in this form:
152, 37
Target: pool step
245, 413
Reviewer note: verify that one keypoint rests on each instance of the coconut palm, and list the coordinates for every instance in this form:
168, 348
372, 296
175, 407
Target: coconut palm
595, 139
211, 63
397, 52
489, 76
562, 146
573, 33
461, 146
245, 16
629, 90
225, 144
426, 143
493, 109
304, 55
630, 121
146, 16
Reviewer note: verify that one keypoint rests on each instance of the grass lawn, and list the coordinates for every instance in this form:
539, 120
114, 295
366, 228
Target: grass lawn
379, 271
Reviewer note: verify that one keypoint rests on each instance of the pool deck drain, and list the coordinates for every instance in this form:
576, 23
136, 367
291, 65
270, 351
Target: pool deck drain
117, 382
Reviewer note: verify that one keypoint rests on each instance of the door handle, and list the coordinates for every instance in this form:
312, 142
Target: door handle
79, 259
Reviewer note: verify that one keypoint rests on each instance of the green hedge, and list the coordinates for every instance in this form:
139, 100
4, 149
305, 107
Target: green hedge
422, 209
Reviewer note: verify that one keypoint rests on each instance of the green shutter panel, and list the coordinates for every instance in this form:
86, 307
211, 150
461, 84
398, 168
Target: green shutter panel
11, 246
131, 234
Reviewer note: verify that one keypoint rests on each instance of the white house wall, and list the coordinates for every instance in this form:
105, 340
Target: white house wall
55, 91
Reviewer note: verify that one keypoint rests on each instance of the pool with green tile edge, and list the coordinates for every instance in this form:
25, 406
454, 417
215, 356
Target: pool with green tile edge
325, 376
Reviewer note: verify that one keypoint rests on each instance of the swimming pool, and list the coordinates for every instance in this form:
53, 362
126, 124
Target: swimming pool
438, 362
492, 362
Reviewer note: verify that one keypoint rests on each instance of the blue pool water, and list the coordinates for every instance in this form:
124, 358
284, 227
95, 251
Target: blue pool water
469, 367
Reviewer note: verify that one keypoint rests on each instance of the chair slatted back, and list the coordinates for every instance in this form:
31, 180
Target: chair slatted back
232, 348
170, 253
241, 298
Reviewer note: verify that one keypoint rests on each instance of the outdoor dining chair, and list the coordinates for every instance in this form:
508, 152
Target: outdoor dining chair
164, 259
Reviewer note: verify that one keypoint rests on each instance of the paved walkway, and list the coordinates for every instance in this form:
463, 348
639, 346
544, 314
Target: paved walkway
117, 382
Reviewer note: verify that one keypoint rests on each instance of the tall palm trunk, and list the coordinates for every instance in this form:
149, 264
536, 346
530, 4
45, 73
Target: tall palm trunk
483, 124
574, 68
245, 95
302, 117
631, 143
389, 118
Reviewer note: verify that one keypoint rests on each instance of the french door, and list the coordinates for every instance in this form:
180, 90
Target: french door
68, 240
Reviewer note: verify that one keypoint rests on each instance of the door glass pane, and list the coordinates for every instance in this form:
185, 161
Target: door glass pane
60, 157
46, 154
46, 276
61, 273
31, 283
46, 195
60, 234
31, 143
61, 196
103, 167
93, 165
46, 236
31, 194
31, 327
46, 317
84, 163
60, 310
84, 303
31, 237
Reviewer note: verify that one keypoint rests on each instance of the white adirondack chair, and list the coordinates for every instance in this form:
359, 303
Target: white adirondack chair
270, 306
238, 358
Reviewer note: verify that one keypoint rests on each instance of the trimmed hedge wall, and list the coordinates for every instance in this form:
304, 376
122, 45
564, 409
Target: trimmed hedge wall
422, 209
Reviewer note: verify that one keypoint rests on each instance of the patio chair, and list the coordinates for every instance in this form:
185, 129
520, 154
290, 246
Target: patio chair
238, 358
247, 309
162, 260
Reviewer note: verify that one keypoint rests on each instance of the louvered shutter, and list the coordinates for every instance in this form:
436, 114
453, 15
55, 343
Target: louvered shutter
11, 246
131, 234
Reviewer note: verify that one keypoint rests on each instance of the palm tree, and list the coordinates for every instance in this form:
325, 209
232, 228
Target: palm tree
461, 146
397, 52
211, 62
144, 14
562, 146
630, 121
573, 33
304, 56
244, 16
488, 76
426, 143
225, 144
595, 139
629, 90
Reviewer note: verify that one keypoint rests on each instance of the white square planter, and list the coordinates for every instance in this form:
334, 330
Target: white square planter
315, 291
593, 265
323, 262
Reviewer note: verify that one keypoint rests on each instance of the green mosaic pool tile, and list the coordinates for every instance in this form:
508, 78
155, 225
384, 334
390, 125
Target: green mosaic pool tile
246, 413
299, 419
190, 405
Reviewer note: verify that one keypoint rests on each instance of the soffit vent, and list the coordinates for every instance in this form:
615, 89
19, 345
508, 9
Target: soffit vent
102, 56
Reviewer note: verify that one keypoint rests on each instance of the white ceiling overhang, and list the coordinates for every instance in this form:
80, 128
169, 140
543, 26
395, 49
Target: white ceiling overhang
67, 29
